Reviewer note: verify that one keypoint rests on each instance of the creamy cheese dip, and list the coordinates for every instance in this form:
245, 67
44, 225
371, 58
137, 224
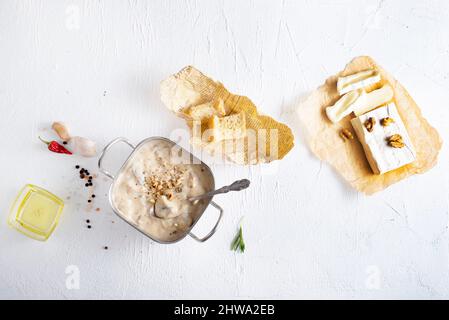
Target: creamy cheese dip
159, 171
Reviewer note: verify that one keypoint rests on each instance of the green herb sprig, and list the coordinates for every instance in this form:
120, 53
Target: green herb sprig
238, 244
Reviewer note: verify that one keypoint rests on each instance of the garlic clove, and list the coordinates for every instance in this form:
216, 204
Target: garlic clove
61, 130
83, 146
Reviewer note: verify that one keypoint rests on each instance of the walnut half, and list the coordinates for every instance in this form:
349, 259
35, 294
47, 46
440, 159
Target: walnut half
346, 134
369, 124
386, 121
396, 141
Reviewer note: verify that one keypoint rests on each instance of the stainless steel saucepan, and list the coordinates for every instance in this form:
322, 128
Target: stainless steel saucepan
130, 158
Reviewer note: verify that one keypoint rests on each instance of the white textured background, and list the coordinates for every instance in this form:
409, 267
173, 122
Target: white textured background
97, 66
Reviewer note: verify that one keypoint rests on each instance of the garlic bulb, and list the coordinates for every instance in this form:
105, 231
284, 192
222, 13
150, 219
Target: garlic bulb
83, 146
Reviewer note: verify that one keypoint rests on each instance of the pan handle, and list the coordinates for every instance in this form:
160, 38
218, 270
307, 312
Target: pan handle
105, 150
211, 233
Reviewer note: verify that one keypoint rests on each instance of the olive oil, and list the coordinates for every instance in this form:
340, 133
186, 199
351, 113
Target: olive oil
36, 212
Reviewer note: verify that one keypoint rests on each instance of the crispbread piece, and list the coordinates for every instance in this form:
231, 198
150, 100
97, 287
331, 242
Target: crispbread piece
205, 111
189, 87
228, 127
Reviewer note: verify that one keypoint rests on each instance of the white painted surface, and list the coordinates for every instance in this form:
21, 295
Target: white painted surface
97, 65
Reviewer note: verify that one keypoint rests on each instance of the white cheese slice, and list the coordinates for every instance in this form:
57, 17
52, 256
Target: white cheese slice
382, 157
359, 102
356, 81
344, 106
373, 99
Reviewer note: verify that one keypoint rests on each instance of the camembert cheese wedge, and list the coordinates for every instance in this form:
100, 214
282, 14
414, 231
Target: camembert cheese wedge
384, 138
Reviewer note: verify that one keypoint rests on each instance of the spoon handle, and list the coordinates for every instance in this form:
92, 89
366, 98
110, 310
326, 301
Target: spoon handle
235, 186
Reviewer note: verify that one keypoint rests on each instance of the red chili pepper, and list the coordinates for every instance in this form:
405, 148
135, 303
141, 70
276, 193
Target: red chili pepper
54, 146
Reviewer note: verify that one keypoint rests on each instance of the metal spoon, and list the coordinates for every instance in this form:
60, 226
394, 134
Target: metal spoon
163, 212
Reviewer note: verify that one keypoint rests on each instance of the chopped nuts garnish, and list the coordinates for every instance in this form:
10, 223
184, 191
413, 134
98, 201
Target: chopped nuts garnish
369, 124
386, 121
163, 182
346, 134
396, 141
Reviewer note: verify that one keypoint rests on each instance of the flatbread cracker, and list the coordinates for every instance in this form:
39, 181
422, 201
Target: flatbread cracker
267, 139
